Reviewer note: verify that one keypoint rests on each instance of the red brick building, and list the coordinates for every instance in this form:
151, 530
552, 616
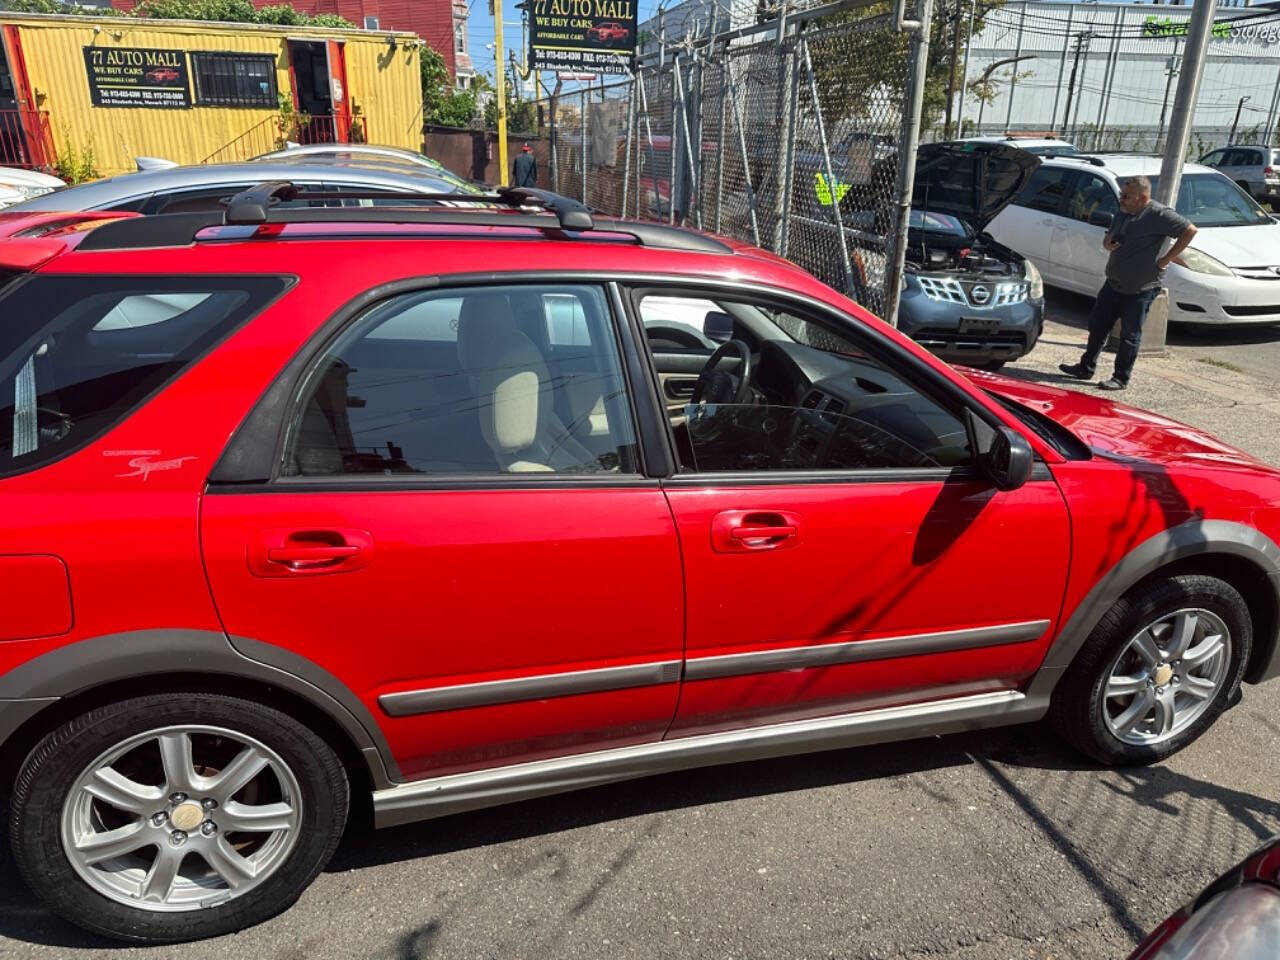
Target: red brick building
441, 23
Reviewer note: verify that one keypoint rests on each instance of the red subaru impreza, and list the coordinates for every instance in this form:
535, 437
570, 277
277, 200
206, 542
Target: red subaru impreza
453, 507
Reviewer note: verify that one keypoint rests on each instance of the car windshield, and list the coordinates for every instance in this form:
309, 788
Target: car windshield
1211, 200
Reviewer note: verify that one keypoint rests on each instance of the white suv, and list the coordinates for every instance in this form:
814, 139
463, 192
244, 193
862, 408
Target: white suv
1230, 274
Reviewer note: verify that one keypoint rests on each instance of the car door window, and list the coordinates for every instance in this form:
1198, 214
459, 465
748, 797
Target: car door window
483, 380
814, 400
1090, 197
1045, 189
1214, 159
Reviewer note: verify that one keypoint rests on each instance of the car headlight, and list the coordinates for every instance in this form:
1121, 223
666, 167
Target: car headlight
1199, 262
1034, 281
28, 191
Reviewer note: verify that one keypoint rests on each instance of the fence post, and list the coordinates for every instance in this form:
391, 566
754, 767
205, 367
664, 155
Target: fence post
786, 115
673, 179
850, 287
585, 155
626, 158
791, 63
909, 141
746, 163
724, 68
688, 182
653, 157
696, 142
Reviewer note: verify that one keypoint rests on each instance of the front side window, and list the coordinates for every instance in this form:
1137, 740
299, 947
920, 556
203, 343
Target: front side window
235, 79
483, 380
1045, 189
779, 391
78, 354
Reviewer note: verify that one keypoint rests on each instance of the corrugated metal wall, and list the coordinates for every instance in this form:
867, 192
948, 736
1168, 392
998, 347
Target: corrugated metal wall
383, 82
1121, 81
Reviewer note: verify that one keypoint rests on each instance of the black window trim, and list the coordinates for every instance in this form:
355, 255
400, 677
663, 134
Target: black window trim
249, 462
287, 283
200, 99
1068, 181
254, 458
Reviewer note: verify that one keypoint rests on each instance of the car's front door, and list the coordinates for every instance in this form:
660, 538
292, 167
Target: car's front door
457, 528
1091, 206
839, 550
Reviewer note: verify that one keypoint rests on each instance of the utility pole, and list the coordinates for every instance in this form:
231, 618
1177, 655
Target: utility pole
1082, 39
1172, 68
1236, 122
955, 60
500, 77
1184, 111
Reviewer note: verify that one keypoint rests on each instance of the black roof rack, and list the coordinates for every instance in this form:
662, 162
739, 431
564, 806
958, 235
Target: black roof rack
1082, 157
508, 207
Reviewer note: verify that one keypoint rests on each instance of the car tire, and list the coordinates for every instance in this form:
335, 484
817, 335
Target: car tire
271, 835
1131, 659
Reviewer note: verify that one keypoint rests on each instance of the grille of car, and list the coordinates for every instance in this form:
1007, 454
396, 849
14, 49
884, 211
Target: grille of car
980, 294
1261, 310
997, 342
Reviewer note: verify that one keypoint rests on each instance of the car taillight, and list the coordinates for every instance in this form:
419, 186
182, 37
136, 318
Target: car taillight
1269, 172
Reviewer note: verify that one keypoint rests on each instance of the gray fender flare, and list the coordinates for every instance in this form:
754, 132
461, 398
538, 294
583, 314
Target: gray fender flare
1189, 539
79, 667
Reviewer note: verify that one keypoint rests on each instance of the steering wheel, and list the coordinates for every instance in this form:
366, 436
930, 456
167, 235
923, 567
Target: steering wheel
717, 386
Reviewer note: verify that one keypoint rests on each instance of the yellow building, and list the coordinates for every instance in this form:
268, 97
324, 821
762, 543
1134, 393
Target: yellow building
193, 91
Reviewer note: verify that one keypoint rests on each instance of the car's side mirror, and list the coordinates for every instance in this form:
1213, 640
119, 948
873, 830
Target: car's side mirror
717, 327
1100, 219
1002, 454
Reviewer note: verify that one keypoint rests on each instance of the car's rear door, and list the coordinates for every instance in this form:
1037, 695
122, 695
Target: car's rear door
1077, 238
839, 551
489, 587
1027, 224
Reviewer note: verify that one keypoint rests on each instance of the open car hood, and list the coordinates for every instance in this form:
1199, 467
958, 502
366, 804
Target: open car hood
972, 181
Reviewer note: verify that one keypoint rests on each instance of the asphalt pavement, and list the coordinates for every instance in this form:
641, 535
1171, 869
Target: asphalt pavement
1002, 845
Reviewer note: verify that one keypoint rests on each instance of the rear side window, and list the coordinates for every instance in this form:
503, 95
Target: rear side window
1045, 189
78, 354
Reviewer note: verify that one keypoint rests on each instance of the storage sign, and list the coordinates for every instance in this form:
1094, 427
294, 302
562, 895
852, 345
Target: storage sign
137, 77
588, 36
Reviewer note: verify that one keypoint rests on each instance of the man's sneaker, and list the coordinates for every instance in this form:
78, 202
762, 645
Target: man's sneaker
1076, 370
1112, 384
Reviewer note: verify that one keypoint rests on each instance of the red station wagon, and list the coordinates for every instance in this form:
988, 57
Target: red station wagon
454, 507
609, 31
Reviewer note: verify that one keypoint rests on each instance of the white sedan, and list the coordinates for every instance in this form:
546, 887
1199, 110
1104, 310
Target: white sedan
1230, 273
17, 185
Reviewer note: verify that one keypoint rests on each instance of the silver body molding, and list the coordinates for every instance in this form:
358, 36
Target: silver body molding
440, 796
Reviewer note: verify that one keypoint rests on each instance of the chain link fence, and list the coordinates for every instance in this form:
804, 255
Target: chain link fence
781, 135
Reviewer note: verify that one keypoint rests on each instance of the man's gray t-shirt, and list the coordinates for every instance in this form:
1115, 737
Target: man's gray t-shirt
1132, 266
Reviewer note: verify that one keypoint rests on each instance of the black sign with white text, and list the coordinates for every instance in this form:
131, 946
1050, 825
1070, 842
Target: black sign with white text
137, 77
585, 36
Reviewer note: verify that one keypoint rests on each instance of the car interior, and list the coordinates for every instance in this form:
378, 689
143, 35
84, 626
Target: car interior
526, 379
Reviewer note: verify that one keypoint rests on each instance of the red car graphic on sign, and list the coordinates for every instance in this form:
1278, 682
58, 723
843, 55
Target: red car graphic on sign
609, 32
162, 74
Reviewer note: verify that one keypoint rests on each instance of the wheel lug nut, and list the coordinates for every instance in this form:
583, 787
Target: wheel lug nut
177, 798
208, 828
178, 838
159, 819
209, 803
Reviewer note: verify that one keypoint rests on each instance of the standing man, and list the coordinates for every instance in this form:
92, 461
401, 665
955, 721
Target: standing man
526, 169
1134, 272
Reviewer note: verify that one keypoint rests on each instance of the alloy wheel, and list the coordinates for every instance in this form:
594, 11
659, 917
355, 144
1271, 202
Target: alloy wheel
181, 818
1166, 676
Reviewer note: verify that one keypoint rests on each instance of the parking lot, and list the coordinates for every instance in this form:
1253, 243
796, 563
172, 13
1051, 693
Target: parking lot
974, 847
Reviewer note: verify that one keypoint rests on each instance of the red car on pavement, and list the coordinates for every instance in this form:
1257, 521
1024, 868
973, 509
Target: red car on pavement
609, 32
450, 507
162, 74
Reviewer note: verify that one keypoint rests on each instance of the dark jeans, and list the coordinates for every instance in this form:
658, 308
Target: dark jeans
1132, 309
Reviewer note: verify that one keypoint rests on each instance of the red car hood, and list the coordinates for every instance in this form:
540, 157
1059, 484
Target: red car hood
1112, 428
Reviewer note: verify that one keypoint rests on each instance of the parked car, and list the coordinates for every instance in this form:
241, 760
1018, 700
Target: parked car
351, 153
17, 185
162, 74
1040, 146
1237, 917
201, 188
965, 296
609, 31
1255, 169
305, 505
1228, 275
